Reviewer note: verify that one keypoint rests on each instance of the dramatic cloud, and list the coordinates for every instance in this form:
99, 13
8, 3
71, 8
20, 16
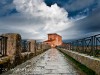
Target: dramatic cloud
6, 7
37, 19
79, 4
84, 27
34, 19
75, 7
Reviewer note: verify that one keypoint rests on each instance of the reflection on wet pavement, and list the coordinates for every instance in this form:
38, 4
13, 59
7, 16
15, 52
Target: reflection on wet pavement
52, 62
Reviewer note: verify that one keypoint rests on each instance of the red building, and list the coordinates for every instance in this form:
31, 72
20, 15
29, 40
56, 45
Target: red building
54, 40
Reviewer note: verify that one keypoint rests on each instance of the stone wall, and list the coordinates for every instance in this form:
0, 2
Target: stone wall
32, 45
13, 43
15, 56
90, 62
45, 46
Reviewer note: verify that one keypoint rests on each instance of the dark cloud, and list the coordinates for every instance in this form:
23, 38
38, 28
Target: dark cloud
79, 5
91, 23
7, 8
84, 27
75, 7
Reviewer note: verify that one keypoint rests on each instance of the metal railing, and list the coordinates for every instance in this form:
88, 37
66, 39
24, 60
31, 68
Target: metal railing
3, 46
89, 45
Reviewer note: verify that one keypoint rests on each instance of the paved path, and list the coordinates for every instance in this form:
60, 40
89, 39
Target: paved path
52, 62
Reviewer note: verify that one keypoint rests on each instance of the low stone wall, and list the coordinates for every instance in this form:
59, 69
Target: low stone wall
90, 62
9, 62
15, 55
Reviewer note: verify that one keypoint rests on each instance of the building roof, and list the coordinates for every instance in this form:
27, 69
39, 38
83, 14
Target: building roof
48, 40
54, 34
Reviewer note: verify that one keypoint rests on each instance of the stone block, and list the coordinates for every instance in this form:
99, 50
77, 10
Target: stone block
32, 45
13, 43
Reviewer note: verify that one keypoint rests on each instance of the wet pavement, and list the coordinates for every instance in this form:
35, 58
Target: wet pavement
51, 62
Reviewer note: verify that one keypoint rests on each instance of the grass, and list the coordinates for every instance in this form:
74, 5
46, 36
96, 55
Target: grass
79, 65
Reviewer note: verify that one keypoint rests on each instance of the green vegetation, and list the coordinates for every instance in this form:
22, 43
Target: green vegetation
81, 66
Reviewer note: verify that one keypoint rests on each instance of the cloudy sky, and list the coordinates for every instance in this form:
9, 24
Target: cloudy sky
34, 19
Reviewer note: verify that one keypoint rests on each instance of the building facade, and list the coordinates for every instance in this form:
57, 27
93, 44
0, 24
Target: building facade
54, 40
